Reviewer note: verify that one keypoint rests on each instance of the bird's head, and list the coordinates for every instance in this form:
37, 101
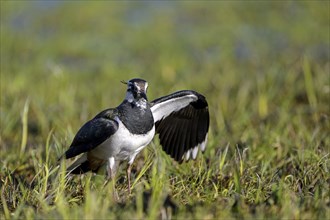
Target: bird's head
136, 89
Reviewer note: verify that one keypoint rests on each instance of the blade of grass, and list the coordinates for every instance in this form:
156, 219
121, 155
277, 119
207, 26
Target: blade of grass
24, 126
4, 202
223, 157
262, 99
47, 144
145, 168
309, 83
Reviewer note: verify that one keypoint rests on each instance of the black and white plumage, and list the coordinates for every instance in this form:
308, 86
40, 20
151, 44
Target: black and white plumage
181, 119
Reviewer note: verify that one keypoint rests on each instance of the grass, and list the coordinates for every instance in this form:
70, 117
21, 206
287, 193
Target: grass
264, 68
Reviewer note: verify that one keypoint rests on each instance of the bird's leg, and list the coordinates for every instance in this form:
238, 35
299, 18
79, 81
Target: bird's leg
129, 177
111, 175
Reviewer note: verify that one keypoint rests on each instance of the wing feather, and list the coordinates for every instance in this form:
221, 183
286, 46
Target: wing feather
183, 136
93, 133
173, 139
182, 122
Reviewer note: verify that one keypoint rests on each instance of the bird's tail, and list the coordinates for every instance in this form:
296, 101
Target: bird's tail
84, 164
81, 165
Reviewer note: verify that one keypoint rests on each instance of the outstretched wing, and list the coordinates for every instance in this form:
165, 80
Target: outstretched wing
93, 133
182, 121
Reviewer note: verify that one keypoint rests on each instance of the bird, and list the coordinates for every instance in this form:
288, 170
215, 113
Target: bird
180, 119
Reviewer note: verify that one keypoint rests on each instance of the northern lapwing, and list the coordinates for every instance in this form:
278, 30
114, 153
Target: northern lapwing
118, 134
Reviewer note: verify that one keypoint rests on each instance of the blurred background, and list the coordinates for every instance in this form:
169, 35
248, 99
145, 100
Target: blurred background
263, 67
253, 60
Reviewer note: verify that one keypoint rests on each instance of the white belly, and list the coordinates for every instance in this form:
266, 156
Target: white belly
123, 145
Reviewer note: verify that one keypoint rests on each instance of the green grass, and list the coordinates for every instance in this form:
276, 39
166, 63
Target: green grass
263, 67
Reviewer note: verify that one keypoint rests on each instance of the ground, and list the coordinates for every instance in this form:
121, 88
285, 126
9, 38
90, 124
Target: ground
263, 67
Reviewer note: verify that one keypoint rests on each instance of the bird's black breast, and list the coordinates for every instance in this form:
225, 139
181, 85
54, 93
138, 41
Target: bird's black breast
136, 119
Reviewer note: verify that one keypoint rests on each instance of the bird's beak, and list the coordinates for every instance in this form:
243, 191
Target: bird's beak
124, 82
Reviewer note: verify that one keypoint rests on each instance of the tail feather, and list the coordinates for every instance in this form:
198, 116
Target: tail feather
84, 164
81, 168
81, 165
